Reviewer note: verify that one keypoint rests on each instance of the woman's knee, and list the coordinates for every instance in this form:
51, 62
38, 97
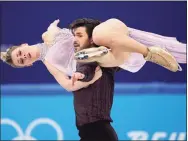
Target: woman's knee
100, 36
105, 38
114, 20
104, 33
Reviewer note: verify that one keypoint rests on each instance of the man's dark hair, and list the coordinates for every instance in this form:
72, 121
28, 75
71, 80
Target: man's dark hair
89, 24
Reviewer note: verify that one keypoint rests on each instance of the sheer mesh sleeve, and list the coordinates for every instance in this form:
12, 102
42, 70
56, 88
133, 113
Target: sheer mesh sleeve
61, 54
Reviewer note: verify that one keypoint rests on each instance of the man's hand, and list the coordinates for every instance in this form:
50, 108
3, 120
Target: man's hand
98, 68
76, 76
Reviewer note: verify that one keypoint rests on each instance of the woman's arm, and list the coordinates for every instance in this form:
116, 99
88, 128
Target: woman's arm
52, 30
66, 83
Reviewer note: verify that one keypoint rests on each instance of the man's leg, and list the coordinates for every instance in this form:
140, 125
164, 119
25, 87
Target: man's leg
98, 131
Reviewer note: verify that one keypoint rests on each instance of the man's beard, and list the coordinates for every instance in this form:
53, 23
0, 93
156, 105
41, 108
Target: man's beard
84, 47
88, 46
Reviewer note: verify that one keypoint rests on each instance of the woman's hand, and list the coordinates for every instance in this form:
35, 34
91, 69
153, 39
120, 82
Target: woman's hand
52, 30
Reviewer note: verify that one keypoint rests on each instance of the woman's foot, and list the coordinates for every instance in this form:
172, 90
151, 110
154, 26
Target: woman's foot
91, 53
163, 58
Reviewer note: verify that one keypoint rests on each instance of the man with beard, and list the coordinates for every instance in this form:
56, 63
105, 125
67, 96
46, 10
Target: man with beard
92, 104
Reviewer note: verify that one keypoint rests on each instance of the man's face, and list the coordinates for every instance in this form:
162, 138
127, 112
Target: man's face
82, 40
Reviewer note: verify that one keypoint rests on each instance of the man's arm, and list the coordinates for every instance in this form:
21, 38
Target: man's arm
87, 69
84, 72
66, 83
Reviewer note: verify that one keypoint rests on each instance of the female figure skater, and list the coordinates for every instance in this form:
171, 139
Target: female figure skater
57, 52
25, 55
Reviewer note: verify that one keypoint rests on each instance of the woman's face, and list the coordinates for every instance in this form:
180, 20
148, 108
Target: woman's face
24, 55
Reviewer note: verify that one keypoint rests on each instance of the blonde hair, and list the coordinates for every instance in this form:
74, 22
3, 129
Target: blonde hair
7, 58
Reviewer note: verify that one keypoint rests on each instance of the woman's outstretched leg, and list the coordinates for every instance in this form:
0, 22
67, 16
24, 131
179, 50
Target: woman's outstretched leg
114, 34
